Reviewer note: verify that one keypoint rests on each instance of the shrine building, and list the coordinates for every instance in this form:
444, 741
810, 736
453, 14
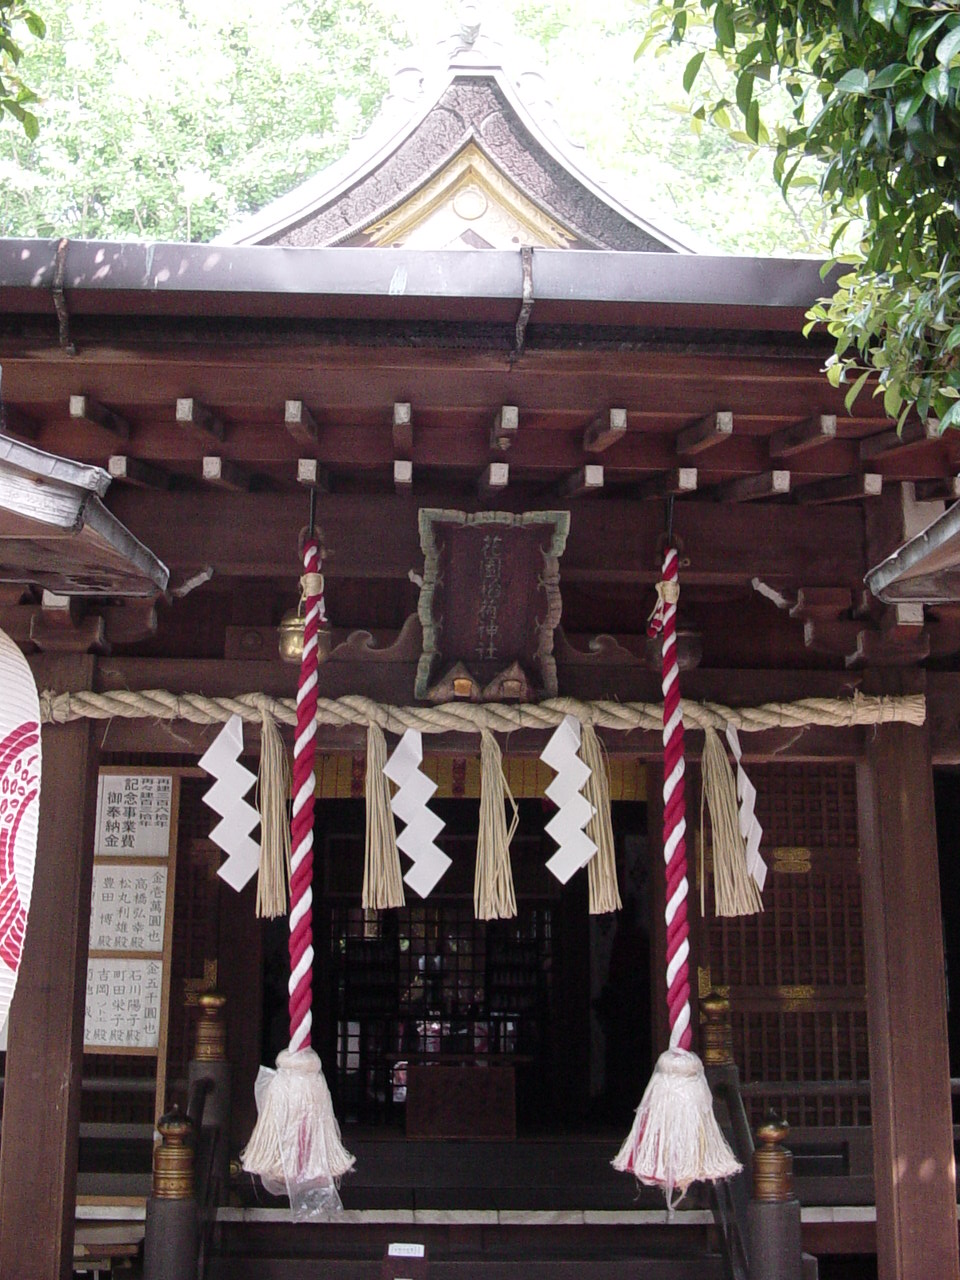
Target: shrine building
499, 394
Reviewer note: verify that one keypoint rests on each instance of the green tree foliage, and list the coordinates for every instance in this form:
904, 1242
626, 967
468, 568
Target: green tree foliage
167, 119
15, 96
872, 87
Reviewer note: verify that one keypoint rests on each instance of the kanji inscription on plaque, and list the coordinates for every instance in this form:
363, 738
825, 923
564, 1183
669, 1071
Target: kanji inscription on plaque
123, 1004
133, 815
128, 907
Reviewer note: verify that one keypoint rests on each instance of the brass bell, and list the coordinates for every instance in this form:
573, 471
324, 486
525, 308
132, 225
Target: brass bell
291, 637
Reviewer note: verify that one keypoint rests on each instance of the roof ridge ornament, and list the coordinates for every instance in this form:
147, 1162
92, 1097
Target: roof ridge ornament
469, 23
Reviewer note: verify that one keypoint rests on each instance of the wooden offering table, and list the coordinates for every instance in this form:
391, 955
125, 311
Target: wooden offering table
461, 1098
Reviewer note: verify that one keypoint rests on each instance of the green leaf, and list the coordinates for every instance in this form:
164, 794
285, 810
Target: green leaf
949, 46
691, 69
745, 91
951, 418
882, 11
920, 35
752, 121
854, 81
723, 25
891, 75
907, 108
936, 83
855, 390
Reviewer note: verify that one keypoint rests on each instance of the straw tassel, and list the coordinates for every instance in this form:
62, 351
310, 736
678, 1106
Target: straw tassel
602, 867
735, 890
274, 788
493, 895
382, 879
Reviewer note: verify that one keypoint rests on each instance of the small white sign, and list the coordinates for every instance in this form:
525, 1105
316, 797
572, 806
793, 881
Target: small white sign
405, 1251
128, 906
123, 1004
133, 815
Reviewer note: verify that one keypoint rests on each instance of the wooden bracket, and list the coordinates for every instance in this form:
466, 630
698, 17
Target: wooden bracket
226, 474
841, 489
86, 409
312, 475
403, 476
300, 422
605, 431
495, 479
679, 480
803, 436
709, 431
144, 475
15, 422
912, 433
768, 484
402, 429
506, 425
588, 479
191, 413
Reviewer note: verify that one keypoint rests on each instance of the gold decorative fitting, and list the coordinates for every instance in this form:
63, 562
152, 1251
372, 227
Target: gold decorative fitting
291, 637
210, 1044
173, 1157
462, 687
772, 1162
717, 1031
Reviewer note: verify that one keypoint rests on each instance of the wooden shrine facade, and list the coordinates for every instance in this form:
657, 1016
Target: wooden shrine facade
218, 385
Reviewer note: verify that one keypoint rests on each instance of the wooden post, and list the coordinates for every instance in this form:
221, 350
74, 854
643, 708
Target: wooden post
41, 1104
906, 1009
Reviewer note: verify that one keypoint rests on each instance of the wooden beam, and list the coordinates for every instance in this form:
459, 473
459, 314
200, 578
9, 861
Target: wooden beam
605, 431
679, 480
803, 436
134, 471
709, 431
14, 422
910, 1104
402, 429
506, 424
403, 476
312, 475
86, 409
946, 489
41, 1100
191, 413
226, 474
588, 479
913, 432
244, 535
769, 484
841, 489
495, 479
300, 422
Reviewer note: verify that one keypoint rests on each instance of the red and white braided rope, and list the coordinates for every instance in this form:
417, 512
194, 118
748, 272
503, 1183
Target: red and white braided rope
301, 824
664, 621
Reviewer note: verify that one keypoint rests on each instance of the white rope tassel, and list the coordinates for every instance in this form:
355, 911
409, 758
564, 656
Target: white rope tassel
602, 868
493, 895
735, 890
274, 790
296, 1123
675, 1139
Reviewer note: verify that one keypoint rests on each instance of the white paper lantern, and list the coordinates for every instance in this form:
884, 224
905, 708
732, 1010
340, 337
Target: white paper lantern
19, 809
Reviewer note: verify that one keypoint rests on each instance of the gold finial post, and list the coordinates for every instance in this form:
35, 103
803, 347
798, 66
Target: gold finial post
173, 1157
772, 1162
717, 1031
210, 1042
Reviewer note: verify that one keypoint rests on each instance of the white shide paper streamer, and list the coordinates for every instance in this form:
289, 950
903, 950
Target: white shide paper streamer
750, 827
574, 811
225, 797
410, 805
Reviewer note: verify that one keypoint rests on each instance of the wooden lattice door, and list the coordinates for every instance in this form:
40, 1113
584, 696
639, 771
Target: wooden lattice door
795, 974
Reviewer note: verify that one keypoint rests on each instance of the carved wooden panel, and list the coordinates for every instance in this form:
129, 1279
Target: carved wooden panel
490, 594
795, 973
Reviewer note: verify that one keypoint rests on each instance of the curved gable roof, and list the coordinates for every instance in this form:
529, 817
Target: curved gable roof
423, 126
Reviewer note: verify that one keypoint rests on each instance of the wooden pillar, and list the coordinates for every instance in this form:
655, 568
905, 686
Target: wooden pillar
41, 1104
906, 1009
